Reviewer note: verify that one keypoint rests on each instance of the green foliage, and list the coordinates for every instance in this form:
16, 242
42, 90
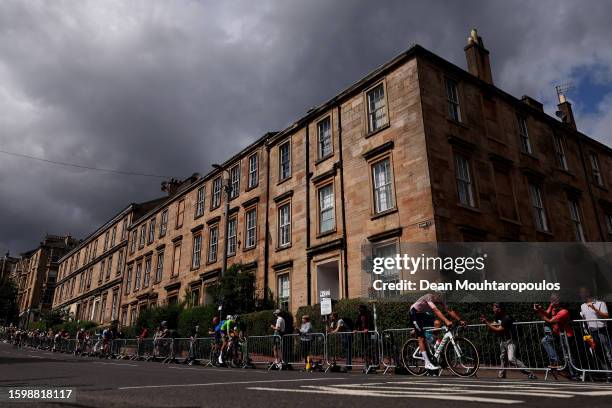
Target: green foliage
8, 301
196, 316
54, 317
258, 323
236, 290
152, 317
72, 327
394, 315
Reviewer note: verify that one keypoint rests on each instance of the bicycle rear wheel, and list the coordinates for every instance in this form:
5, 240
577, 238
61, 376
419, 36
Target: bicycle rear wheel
415, 366
462, 358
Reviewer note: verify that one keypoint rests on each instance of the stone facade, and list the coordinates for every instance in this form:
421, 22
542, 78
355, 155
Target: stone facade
37, 274
419, 150
90, 275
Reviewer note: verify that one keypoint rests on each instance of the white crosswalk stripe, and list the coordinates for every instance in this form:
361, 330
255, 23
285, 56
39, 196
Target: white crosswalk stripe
480, 391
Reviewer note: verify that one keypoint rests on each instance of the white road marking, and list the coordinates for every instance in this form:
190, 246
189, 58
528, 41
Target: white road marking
226, 383
218, 369
119, 364
428, 395
527, 392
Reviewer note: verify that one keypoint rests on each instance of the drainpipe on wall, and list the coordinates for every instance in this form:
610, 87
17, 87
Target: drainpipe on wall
308, 257
344, 243
267, 232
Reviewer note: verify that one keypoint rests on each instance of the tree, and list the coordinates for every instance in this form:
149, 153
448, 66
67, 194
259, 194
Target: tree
236, 291
8, 301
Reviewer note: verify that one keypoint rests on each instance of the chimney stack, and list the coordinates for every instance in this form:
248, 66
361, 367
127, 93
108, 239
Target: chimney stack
477, 57
565, 112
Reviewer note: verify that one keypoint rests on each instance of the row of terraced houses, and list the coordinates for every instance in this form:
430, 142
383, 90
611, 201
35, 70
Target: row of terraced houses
419, 150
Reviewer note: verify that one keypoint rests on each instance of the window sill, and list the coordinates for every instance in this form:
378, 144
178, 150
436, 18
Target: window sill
383, 213
565, 171
467, 207
211, 262
601, 187
457, 123
547, 233
323, 159
279, 249
248, 249
195, 268
326, 233
530, 155
198, 216
510, 221
252, 188
283, 180
375, 132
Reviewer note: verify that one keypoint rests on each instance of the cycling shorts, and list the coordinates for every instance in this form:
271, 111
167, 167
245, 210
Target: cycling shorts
418, 321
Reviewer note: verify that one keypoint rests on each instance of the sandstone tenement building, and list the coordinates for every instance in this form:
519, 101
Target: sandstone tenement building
419, 150
90, 275
35, 275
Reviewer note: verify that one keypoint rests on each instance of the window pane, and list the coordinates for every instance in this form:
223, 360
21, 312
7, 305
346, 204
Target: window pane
377, 112
326, 209
383, 193
325, 140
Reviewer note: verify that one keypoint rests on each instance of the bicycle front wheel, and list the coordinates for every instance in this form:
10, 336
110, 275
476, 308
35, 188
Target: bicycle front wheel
462, 357
411, 358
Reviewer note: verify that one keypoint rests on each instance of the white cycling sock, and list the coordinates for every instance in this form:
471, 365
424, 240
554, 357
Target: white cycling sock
425, 356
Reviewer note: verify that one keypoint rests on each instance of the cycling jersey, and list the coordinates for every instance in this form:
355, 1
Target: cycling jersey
227, 326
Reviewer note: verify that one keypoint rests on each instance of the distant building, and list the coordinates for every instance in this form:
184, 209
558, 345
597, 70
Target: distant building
8, 266
36, 275
90, 274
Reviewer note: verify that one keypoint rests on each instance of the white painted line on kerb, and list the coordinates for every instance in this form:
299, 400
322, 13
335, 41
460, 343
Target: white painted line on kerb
228, 383
426, 395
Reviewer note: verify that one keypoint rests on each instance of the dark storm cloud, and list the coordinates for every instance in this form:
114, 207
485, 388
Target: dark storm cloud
170, 87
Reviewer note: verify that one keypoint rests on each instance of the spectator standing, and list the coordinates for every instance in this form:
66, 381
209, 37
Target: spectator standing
279, 330
559, 319
506, 330
342, 326
593, 311
305, 338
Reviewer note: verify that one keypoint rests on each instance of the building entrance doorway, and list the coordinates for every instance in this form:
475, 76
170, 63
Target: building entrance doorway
328, 278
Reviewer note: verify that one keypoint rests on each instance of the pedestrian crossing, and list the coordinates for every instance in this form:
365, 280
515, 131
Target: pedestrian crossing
458, 390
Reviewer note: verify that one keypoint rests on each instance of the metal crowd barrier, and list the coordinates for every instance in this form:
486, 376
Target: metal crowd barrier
587, 353
392, 341
590, 349
298, 347
530, 341
353, 349
264, 350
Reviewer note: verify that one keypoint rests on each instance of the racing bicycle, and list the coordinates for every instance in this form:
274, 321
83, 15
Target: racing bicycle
454, 352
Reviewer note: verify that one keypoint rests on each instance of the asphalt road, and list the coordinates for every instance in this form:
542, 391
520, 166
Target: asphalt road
109, 383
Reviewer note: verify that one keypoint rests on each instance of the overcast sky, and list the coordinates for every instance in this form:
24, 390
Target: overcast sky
168, 87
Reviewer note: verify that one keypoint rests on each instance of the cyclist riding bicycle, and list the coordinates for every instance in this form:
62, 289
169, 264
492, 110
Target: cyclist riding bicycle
226, 328
419, 311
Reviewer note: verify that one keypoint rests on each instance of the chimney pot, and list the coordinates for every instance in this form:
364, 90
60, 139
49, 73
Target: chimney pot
477, 57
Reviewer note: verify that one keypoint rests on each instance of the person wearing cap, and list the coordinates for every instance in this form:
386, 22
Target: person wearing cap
279, 330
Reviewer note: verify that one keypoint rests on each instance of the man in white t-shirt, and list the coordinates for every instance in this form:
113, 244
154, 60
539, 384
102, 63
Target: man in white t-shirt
279, 330
593, 311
